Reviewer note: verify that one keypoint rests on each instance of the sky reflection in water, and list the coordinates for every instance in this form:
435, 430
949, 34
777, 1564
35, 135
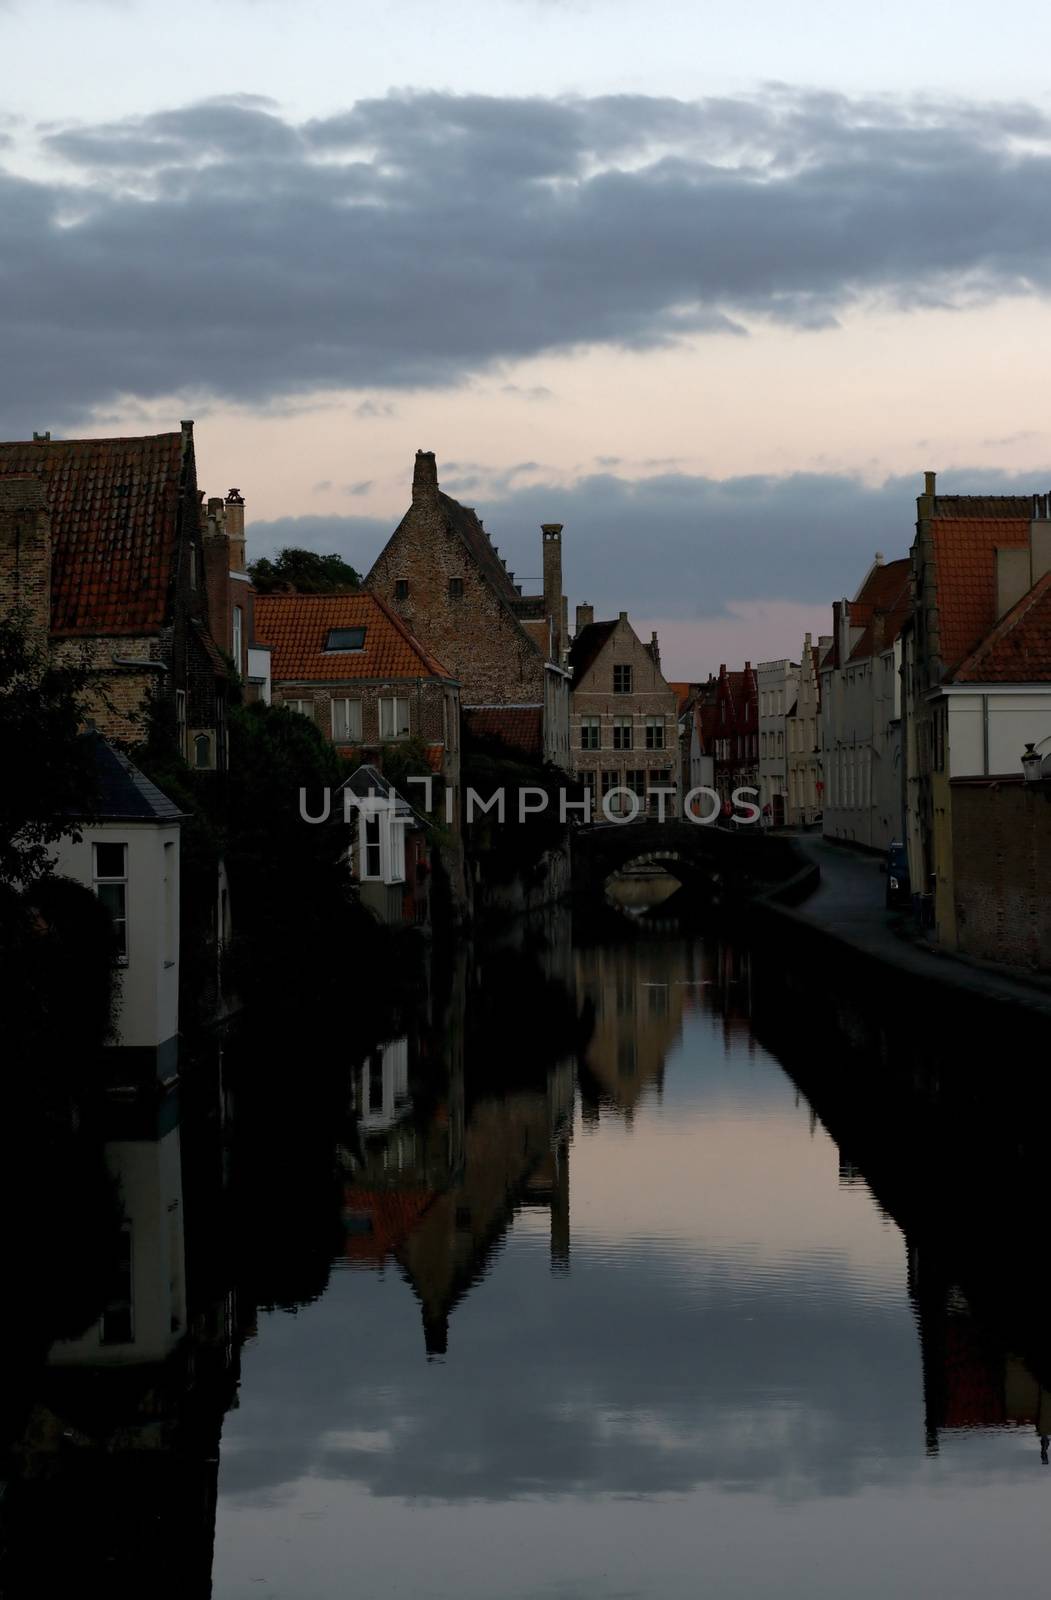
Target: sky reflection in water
713, 1385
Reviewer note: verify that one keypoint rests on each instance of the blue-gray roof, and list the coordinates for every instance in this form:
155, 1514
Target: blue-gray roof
123, 793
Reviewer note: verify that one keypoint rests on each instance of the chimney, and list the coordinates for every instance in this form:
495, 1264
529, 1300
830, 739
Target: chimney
425, 479
655, 651
551, 533
25, 553
1040, 537
929, 484
1013, 576
585, 617
235, 529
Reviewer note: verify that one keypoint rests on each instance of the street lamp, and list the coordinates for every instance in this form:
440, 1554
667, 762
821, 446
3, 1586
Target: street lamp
1032, 764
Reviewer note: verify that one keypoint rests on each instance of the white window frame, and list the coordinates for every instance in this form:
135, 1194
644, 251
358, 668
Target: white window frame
115, 881
591, 733
621, 726
389, 714
346, 710
655, 727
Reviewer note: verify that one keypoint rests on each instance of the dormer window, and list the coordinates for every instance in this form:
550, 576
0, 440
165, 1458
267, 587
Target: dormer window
345, 639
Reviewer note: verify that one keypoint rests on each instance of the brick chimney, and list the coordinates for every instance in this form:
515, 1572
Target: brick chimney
425, 479
25, 552
551, 533
585, 617
218, 563
235, 529
655, 651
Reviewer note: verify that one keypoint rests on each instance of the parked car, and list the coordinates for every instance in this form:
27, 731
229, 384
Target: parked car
899, 891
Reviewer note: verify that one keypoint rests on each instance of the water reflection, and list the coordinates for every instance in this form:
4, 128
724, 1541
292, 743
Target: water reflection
740, 1369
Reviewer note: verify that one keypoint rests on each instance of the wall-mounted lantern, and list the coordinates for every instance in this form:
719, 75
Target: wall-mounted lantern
1032, 762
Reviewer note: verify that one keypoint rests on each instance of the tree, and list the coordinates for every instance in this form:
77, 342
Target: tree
295, 571
48, 774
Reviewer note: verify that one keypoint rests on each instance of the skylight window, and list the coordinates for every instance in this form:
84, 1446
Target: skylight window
345, 639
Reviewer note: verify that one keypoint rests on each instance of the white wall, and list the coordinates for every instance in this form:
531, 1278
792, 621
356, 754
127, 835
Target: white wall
148, 981
1013, 717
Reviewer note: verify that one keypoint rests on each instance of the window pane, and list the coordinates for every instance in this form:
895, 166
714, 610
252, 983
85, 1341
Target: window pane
401, 588
345, 639
110, 860
455, 588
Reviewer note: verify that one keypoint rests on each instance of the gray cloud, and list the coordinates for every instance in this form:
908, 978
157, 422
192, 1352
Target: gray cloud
807, 537
413, 240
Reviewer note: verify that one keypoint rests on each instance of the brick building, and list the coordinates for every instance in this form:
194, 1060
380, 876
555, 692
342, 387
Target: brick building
624, 716
101, 547
977, 692
735, 732
351, 664
231, 598
440, 571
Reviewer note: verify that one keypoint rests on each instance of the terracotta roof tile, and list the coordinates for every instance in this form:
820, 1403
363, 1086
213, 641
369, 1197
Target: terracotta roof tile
114, 526
966, 530
520, 727
886, 591
1018, 650
296, 626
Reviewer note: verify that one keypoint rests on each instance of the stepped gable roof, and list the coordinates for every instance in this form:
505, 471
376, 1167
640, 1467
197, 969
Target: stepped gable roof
465, 523
297, 627
1018, 650
586, 647
114, 526
966, 530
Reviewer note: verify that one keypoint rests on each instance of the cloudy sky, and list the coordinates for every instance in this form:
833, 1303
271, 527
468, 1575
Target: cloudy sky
712, 284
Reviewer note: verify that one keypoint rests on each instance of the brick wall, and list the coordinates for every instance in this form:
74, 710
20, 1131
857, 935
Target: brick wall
474, 635
25, 553
1001, 842
650, 697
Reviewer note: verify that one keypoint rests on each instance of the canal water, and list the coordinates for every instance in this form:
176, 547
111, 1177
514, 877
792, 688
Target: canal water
565, 1291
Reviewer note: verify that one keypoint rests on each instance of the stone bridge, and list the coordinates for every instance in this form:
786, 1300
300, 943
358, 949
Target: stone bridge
709, 860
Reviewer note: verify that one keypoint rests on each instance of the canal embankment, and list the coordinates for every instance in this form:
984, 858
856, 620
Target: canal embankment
835, 903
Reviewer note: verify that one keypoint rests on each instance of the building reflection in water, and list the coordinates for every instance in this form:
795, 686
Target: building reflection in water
452, 1129
113, 1482
970, 1381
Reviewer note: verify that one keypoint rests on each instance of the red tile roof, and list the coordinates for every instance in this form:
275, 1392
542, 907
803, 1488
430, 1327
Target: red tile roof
296, 627
886, 591
519, 727
966, 530
1018, 650
391, 1214
114, 526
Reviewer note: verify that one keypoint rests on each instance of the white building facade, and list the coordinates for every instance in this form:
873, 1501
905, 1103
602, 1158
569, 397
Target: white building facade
128, 856
778, 685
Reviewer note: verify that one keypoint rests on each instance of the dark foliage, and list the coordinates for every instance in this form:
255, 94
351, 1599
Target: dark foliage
48, 773
295, 571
